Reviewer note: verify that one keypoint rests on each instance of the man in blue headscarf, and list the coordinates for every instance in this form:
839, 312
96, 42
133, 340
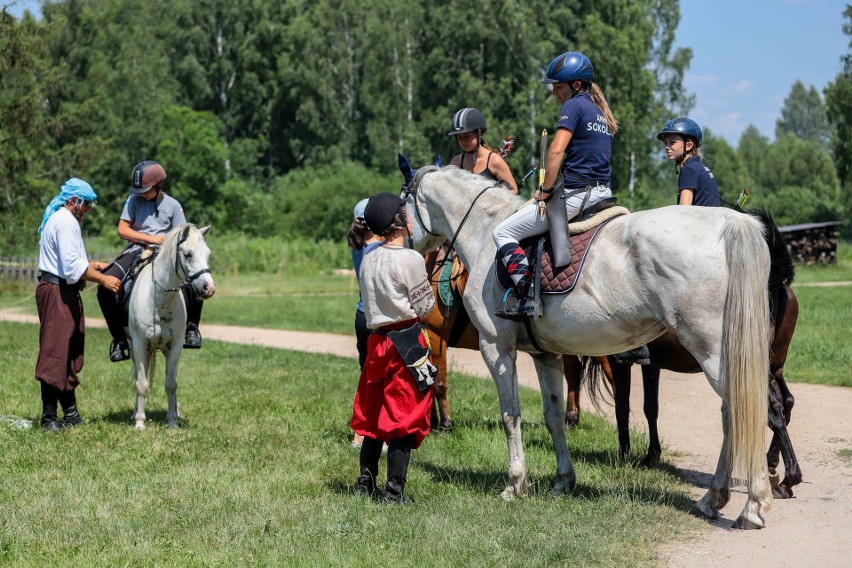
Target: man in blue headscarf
63, 267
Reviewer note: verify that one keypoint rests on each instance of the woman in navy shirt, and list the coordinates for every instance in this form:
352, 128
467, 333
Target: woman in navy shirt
695, 182
584, 134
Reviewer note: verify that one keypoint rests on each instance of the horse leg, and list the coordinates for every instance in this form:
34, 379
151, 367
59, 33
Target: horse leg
504, 372
143, 362
651, 386
441, 392
172, 366
719, 492
549, 368
781, 443
572, 368
621, 380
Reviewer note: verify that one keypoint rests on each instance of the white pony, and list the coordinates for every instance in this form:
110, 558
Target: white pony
157, 312
700, 272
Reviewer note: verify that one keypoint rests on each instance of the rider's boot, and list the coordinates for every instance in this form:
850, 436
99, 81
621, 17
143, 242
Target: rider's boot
114, 316
192, 340
118, 350
640, 355
371, 452
518, 266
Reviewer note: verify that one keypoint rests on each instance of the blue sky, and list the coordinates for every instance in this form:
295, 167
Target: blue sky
746, 56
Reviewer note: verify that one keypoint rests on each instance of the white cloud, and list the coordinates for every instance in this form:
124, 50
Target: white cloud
743, 86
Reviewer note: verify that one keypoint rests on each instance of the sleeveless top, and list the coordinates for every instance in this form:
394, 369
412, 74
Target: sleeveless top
486, 173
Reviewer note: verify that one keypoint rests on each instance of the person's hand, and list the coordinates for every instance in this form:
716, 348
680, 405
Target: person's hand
111, 283
537, 195
99, 266
157, 240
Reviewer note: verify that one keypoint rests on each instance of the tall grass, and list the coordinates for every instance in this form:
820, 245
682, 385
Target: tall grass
261, 473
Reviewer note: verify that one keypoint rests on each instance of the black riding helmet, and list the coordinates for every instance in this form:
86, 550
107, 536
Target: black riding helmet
381, 210
467, 120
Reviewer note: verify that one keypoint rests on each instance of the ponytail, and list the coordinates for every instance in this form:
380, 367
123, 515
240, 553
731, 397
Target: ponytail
600, 101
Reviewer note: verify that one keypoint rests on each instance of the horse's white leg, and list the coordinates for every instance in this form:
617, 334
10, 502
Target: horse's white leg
719, 493
142, 362
549, 368
504, 372
172, 365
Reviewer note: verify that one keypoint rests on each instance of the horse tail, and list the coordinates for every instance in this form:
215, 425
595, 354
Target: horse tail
744, 363
593, 374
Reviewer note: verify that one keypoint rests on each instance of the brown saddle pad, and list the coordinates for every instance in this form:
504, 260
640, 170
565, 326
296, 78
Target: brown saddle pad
554, 279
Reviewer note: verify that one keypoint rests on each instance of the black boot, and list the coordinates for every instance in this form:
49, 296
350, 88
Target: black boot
119, 351
399, 454
49, 398
71, 417
371, 451
193, 337
640, 355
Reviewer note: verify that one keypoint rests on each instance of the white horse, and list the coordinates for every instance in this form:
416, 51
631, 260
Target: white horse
157, 312
700, 272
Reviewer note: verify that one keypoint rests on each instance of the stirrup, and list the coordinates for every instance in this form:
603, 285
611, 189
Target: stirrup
118, 351
526, 307
192, 337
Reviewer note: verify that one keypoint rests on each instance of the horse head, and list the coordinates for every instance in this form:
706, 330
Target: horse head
192, 260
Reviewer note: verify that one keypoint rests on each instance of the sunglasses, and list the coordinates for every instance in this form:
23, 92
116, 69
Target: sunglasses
88, 202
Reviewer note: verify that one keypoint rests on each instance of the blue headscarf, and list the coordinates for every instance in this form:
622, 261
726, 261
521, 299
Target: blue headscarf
74, 187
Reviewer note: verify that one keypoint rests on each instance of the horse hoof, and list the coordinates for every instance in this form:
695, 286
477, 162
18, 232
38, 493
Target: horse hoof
173, 425
745, 524
782, 492
697, 511
139, 426
572, 420
508, 494
564, 486
774, 480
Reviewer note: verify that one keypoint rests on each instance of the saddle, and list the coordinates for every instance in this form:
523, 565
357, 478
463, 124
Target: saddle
554, 279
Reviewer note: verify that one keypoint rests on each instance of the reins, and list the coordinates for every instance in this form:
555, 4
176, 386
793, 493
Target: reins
410, 189
189, 278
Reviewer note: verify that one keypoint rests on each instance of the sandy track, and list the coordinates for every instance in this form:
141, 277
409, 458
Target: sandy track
814, 529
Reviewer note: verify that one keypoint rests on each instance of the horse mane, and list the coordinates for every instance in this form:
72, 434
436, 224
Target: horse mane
492, 203
781, 270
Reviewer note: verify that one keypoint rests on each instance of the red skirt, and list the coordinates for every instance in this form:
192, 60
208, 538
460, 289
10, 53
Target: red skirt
388, 404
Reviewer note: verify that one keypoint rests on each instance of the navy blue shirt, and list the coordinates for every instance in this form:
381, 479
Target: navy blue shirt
590, 149
696, 176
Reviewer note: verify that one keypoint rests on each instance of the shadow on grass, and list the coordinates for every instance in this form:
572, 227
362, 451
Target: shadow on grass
156, 416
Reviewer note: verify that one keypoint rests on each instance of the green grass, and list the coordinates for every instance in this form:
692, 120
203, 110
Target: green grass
821, 351
261, 473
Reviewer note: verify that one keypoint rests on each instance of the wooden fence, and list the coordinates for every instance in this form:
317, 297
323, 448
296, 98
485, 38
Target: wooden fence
18, 270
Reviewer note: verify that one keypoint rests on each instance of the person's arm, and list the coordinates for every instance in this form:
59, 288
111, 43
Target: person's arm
554, 157
93, 274
685, 197
128, 233
687, 181
501, 171
456, 161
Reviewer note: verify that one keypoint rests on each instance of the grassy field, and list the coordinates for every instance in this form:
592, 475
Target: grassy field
261, 473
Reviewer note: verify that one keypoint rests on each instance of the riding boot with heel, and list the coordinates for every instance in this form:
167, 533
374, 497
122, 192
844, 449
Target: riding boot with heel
371, 452
399, 455
192, 340
49, 400
71, 416
518, 267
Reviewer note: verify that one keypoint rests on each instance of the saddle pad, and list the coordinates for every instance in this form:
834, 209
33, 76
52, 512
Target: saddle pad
447, 293
554, 280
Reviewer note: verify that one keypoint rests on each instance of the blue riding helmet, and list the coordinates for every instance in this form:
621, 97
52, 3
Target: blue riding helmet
568, 67
683, 126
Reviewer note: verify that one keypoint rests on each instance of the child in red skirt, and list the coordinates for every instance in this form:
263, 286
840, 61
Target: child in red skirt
394, 396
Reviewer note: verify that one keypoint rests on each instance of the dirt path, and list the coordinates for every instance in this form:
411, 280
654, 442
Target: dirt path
814, 529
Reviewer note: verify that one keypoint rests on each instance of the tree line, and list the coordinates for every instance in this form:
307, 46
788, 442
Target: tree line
273, 117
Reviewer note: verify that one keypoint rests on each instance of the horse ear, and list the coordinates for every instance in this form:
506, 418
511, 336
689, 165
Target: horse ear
184, 233
405, 168
205, 230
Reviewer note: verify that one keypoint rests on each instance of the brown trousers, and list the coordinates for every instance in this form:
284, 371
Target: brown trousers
61, 335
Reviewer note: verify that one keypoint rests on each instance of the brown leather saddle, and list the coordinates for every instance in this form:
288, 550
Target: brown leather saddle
553, 279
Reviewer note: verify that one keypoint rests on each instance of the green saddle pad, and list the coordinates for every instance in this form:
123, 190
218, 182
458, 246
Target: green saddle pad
445, 289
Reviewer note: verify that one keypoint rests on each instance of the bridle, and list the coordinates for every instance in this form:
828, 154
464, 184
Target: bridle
410, 190
179, 267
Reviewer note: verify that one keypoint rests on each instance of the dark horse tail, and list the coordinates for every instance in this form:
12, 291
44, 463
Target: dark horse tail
781, 270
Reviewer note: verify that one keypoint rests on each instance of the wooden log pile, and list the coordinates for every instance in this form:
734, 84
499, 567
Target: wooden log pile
812, 244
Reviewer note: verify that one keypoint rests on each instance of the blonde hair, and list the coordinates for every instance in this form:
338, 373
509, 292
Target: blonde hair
600, 101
